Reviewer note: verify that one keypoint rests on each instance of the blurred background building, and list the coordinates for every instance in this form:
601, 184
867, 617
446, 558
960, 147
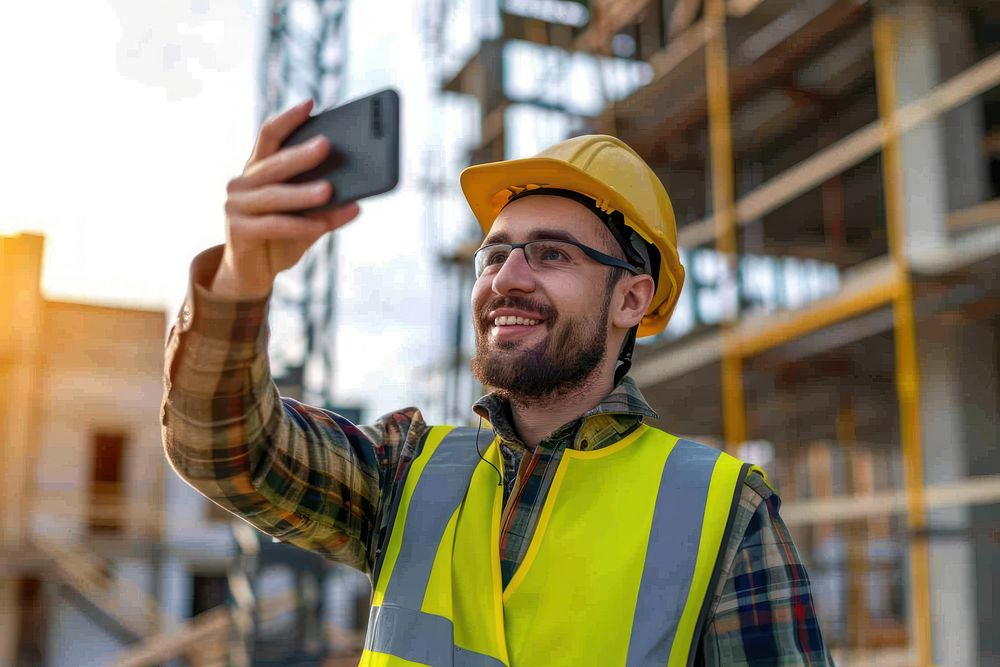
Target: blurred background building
106, 555
835, 170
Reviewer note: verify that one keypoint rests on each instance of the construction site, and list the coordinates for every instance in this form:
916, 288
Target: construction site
835, 173
834, 168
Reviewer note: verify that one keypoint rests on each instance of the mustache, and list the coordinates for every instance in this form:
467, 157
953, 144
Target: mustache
548, 313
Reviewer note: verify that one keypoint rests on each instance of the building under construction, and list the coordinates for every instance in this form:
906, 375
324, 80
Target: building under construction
106, 556
835, 170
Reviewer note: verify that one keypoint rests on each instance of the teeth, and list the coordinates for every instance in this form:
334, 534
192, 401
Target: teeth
506, 320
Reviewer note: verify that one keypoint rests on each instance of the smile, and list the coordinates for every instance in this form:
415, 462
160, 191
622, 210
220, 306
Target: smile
508, 320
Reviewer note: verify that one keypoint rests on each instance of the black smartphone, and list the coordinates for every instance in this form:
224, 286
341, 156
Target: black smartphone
364, 155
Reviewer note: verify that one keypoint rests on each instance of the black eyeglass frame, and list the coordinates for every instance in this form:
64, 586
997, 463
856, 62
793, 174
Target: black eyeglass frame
595, 255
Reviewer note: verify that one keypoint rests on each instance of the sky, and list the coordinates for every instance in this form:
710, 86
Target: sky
129, 119
125, 123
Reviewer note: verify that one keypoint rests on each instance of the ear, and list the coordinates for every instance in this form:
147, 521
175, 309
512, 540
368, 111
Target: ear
635, 293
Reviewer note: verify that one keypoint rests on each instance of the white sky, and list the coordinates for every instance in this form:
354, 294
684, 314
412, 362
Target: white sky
123, 121
122, 127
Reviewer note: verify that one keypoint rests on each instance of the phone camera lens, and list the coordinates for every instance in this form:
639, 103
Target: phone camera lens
377, 118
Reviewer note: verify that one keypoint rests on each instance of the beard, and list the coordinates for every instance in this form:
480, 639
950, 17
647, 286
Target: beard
563, 361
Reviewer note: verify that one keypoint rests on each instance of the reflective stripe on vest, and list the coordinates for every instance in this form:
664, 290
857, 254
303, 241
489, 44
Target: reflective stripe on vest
422, 612
425, 639
442, 485
671, 555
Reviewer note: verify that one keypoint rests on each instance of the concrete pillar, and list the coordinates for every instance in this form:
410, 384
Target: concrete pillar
924, 175
960, 394
980, 392
20, 331
943, 167
966, 167
952, 557
942, 170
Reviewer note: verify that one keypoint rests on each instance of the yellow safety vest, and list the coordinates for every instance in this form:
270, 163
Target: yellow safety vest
619, 570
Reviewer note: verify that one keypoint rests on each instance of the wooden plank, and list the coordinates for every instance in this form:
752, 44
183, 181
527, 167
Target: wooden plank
121, 599
740, 8
680, 48
811, 172
687, 356
210, 626
965, 493
696, 234
866, 288
748, 79
678, 360
493, 124
683, 16
872, 287
987, 213
607, 18
855, 148
865, 142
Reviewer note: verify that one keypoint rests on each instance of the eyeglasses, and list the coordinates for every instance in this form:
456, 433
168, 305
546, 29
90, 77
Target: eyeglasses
544, 255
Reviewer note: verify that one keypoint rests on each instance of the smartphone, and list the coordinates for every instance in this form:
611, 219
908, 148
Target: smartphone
364, 155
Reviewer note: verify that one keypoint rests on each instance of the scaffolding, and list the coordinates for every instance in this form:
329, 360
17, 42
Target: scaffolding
729, 81
305, 57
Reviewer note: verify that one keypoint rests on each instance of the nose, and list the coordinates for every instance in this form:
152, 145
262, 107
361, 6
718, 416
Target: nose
514, 275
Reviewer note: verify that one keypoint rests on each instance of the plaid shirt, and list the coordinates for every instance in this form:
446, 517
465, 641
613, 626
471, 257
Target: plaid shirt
311, 478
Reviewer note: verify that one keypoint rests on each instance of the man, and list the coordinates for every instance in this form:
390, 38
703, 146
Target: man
562, 530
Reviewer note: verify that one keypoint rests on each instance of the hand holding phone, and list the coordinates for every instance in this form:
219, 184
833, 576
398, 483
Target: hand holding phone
284, 200
364, 159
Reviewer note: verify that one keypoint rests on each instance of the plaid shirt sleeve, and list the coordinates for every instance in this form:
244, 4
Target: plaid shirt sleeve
763, 611
302, 474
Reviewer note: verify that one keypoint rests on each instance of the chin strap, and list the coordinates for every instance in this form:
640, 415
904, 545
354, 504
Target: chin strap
625, 356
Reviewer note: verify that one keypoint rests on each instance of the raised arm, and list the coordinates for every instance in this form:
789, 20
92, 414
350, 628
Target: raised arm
298, 473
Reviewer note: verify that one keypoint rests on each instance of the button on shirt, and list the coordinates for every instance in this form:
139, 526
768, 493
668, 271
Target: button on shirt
311, 478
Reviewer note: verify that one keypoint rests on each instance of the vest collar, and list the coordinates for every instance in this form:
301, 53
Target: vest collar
621, 410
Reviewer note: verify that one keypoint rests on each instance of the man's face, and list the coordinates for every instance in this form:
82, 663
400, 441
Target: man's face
541, 333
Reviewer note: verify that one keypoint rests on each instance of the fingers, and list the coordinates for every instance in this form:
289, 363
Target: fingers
283, 165
278, 227
264, 233
338, 217
278, 198
283, 228
274, 131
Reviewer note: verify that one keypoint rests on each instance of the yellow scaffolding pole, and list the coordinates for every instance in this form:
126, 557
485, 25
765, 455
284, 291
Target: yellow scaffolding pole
749, 338
884, 29
724, 206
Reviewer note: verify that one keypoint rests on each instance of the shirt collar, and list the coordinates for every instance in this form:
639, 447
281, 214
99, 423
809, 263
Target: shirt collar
624, 402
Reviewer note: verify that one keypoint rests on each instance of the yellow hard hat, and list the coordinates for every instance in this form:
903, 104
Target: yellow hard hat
610, 172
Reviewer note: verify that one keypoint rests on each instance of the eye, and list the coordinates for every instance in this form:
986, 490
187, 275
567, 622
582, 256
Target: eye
553, 253
495, 255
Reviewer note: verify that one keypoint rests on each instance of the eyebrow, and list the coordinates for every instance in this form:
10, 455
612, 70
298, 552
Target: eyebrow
536, 235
